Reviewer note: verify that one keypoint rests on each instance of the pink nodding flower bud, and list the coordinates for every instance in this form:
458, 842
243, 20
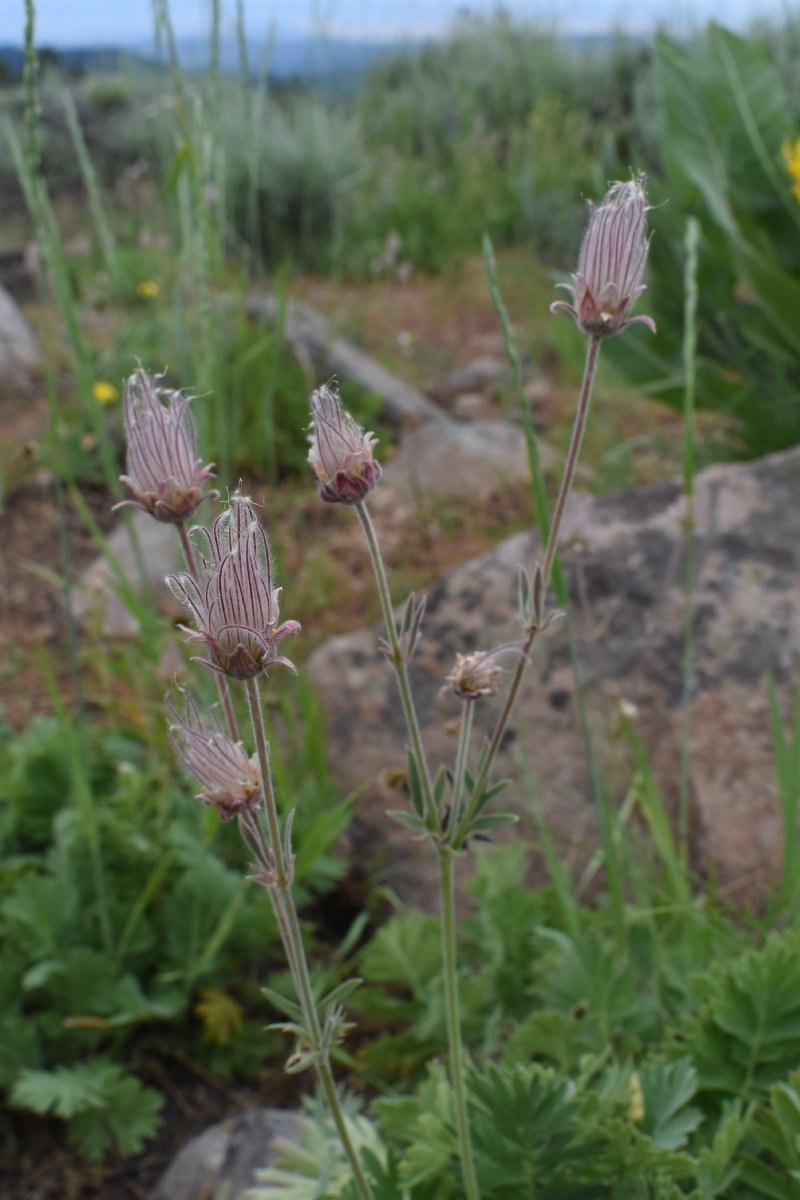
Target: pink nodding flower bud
611, 263
229, 780
233, 602
340, 453
164, 473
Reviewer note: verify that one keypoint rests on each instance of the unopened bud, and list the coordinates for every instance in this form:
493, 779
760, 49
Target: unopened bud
164, 474
340, 452
233, 602
230, 781
611, 263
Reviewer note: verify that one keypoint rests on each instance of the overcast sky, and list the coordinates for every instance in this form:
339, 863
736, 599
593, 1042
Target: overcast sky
74, 22
71, 22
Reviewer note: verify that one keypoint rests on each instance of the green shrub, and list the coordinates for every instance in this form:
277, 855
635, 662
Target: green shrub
725, 114
108, 93
124, 909
654, 1063
288, 171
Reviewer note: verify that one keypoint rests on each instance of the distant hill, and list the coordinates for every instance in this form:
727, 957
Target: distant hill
290, 57
335, 64
321, 59
72, 60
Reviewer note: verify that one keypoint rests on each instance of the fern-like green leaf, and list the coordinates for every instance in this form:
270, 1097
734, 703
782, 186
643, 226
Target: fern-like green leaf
104, 1106
405, 950
65, 1091
667, 1088
776, 1127
716, 1168
585, 976
40, 914
768, 1181
550, 1035
129, 1117
745, 1033
526, 1126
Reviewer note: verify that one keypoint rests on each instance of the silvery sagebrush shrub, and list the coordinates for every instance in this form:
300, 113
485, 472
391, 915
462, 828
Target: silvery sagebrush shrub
229, 592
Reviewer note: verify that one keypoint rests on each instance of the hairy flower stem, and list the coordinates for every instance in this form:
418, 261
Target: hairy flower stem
443, 852
460, 766
398, 661
291, 935
222, 683
567, 480
452, 1010
573, 454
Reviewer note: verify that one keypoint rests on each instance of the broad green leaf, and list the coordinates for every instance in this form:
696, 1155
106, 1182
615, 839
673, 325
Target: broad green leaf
667, 1088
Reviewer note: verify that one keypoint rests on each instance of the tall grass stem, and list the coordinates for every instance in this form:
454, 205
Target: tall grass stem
689, 352
105, 235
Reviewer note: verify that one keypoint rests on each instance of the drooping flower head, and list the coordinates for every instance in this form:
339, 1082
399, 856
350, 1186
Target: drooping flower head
611, 263
233, 602
164, 474
341, 452
229, 780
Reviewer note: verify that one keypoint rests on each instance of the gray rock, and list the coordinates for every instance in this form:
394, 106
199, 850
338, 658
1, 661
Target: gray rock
436, 455
313, 341
473, 406
624, 562
19, 272
469, 461
222, 1162
142, 552
480, 375
20, 357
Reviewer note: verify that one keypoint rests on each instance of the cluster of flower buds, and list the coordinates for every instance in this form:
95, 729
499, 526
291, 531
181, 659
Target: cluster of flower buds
341, 452
229, 780
164, 473
233, 602
611, 263
231, 598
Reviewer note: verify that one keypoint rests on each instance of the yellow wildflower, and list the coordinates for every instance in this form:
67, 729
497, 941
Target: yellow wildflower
148, 289
104, 392
791, 156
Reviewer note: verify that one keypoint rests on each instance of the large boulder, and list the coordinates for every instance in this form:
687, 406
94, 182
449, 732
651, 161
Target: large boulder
223, 1162
140, 553
624, 558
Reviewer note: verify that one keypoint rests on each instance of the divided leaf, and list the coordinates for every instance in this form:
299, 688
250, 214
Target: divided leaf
745, 1034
